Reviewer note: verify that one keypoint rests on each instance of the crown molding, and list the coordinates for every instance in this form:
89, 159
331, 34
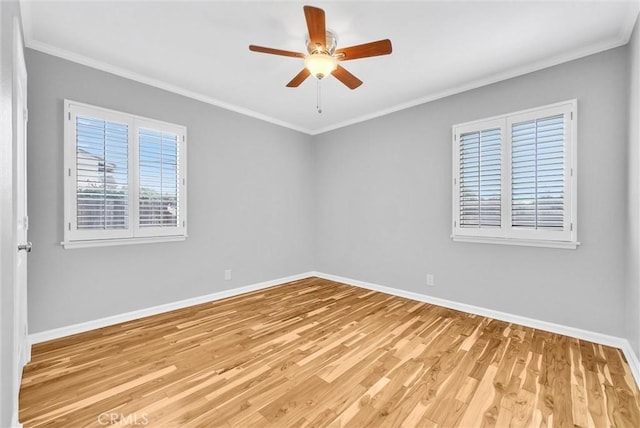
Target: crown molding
621, 39
137, 77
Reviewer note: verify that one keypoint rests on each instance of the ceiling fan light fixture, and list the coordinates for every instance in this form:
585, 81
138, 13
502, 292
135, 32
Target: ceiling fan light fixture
320, 64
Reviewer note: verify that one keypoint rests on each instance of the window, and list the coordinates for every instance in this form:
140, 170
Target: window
125, 178
514, 178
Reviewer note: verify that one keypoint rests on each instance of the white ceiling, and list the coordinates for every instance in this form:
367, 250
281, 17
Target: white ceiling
200, 49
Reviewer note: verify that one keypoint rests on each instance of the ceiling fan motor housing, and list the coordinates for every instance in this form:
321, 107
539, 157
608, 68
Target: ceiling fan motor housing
331, 43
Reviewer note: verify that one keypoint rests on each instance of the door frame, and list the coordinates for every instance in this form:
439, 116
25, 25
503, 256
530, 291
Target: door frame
20, 136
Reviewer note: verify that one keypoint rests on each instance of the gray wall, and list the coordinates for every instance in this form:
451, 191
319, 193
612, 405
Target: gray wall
371, 202
9, 365
632, 300
249, 203
384, 202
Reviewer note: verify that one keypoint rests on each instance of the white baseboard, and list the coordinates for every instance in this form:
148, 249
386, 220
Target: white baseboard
603, 339
58, 333
632, 359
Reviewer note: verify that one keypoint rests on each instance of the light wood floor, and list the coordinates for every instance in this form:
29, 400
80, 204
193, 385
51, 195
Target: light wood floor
318, 353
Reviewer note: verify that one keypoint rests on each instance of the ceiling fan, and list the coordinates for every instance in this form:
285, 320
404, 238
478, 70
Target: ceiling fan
322, 54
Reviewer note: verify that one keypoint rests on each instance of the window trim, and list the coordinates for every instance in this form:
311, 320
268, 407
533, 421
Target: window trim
507, 234
133, 234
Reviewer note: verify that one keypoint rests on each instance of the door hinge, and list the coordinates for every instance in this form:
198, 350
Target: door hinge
69, 225
26, 222
69, 172
454, 224
571, 115
26, 115
69, 115
184, 223
571, 227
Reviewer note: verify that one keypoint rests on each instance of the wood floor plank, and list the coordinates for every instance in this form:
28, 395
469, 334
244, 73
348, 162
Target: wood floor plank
317, 353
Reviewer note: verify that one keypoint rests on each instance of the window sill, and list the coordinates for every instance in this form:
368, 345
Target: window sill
521, 242
120, 241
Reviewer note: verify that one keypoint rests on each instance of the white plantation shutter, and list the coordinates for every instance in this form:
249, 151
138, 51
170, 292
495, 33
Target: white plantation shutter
515, 178
480, 178
537, 173
125, 178
101, 174
158, 176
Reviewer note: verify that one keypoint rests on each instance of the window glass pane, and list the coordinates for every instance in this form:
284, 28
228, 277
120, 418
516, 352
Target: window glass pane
159, 177
537, 173
101, 174
480, 178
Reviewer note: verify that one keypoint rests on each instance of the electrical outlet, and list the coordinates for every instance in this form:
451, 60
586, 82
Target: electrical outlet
227, 275
430, 282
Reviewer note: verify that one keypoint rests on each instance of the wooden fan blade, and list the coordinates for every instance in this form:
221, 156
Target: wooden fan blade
347, 78
316, 26
296, 81
381, 47
272, 51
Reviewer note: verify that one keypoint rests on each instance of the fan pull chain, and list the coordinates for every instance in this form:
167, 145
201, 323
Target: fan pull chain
318, 98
